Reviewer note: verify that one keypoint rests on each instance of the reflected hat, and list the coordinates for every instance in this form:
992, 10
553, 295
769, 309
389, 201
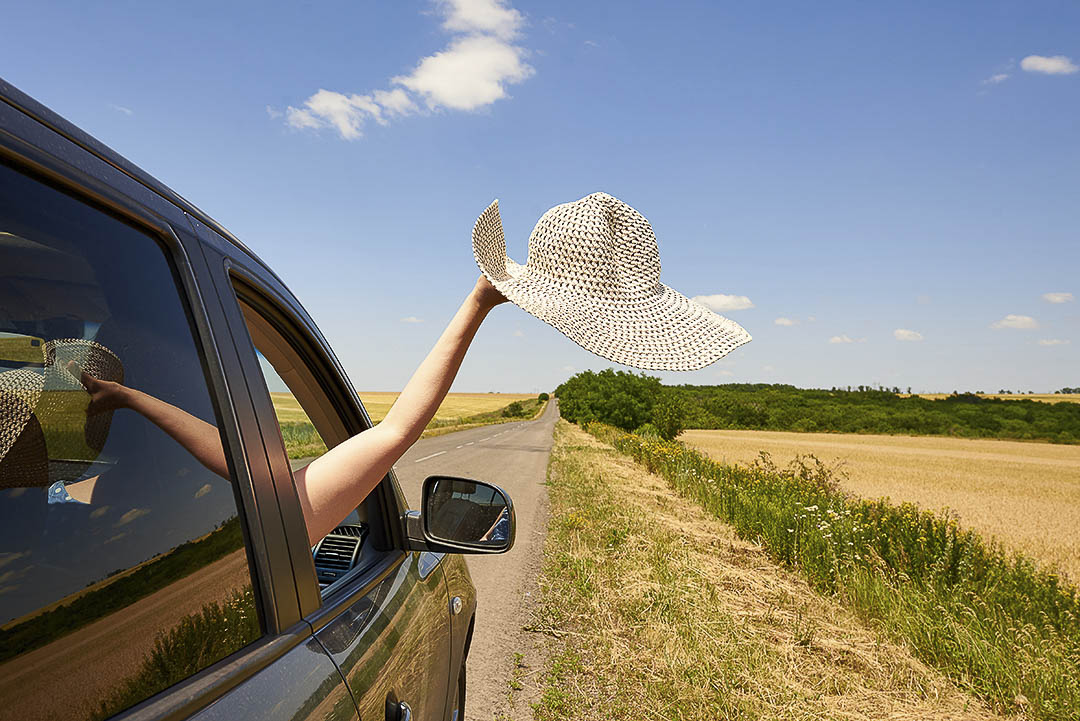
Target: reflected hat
593, 273
38, 397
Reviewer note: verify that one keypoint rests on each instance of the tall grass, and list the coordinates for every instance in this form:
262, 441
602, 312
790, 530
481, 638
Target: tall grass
996, 623
197, 641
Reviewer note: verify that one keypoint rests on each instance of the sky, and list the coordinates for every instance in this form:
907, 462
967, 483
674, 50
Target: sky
879, 193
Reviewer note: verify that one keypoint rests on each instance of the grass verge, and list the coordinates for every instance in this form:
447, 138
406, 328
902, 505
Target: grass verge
997, 624
655, 609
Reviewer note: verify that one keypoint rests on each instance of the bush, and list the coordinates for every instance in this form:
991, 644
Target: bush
542, 397
514, 410
669, 414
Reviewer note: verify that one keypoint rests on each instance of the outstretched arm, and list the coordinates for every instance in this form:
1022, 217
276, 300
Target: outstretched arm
336, 482
201, 439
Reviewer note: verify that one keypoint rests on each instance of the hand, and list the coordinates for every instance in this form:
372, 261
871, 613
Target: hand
486, 294
104, 395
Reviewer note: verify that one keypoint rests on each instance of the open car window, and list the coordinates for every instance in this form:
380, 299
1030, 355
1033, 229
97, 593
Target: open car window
309, 427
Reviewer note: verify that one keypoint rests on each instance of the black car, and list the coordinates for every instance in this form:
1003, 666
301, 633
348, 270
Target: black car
140, 582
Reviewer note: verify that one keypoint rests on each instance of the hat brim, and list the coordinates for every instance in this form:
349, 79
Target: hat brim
663, 331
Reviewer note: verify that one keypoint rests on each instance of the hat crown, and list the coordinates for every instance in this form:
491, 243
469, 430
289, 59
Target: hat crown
598, 243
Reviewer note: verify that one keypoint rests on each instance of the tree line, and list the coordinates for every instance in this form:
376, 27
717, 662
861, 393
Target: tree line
638, 402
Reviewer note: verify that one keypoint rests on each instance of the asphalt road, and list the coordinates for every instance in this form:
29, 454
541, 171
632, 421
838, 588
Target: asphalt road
513, 456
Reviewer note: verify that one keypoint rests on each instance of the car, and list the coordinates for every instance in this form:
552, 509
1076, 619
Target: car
146, 572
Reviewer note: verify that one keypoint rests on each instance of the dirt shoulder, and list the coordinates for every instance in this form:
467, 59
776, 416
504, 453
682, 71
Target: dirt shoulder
653, 609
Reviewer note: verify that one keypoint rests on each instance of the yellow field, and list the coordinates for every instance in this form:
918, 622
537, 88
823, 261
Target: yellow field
1044, 397
456, 405
1027, 495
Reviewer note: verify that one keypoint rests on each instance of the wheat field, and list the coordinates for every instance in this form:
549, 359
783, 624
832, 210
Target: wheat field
1041, 397
1026, 495
455, 405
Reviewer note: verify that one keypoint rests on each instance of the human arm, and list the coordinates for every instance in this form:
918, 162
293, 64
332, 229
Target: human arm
340, 479
201, 439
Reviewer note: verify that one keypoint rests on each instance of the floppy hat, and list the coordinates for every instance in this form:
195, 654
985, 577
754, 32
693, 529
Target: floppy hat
35, 398
593, 273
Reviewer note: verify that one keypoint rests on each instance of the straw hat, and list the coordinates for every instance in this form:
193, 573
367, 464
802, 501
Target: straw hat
593, 273
35, 399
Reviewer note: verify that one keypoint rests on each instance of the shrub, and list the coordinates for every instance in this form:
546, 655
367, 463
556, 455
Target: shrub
542, 397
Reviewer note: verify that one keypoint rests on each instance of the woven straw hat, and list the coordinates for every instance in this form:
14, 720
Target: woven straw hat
33, 399
593, 273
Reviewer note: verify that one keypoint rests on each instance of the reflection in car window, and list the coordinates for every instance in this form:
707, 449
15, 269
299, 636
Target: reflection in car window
122, 562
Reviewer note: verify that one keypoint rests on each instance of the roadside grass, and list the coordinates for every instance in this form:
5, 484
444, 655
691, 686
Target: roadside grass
1026, 495
655, 609
996, 623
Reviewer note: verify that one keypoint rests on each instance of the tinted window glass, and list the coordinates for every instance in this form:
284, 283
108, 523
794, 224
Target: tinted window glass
122, 562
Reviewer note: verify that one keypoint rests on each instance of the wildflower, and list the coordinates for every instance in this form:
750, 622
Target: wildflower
810, 508
791, 530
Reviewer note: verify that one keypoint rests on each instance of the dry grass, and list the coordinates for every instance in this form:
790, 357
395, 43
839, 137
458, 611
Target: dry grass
658, 611
456, 405
1043, 397
1026, 495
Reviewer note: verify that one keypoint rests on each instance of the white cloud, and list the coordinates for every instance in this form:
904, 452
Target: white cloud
519, 333
274, 113
472, 72
122, 109
811, 319
395, 102
131, 515
907, 335
1053, 341
721, 302
481, 16
203, 490
725, 372
785, 321
1019, 322
841, 339
996, 79
411, 319
1054, 65
767, 368
591, 44
1058, 297
568, 369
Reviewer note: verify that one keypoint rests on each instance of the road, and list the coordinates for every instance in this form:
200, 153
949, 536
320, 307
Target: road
513, 456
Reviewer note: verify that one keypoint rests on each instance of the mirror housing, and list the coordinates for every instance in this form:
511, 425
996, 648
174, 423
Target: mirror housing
460, 515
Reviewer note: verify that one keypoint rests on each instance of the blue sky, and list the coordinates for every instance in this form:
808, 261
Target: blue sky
893, 188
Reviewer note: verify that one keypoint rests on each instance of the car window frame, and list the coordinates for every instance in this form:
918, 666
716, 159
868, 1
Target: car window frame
239, 278
61, 163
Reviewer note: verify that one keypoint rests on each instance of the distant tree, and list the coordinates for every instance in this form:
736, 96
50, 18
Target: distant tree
669, 414
909, 390
542, 397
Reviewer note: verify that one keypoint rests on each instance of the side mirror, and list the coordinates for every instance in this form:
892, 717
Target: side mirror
461, 515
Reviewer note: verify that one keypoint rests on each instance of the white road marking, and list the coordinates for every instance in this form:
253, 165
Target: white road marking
427, 457
469, 443
460, 446
484, 439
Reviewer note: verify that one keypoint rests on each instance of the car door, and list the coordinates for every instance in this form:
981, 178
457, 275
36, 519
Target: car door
140, 574
380, 611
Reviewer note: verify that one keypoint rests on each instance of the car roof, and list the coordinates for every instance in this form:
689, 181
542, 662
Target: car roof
26, 104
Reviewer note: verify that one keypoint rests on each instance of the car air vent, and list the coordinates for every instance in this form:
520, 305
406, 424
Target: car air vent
337, 552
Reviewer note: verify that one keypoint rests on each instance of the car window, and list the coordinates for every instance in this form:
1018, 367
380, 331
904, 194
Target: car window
309, 426
122, 560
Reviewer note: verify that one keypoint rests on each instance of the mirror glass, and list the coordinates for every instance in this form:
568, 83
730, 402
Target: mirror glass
457, 510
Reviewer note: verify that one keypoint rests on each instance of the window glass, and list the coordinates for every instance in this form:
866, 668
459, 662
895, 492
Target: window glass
309, 426
122, 561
